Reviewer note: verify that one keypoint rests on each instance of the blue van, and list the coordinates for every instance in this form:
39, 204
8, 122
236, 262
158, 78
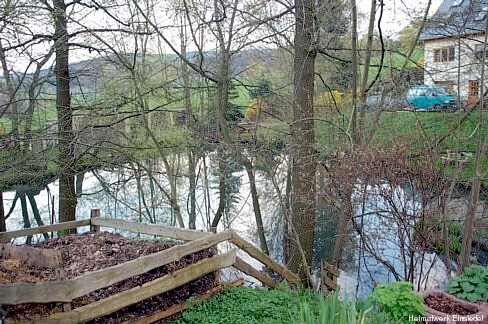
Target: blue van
431, 97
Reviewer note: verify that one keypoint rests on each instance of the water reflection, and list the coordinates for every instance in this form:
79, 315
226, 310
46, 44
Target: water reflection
134, 194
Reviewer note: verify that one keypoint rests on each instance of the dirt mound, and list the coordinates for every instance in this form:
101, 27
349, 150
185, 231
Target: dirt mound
93, 251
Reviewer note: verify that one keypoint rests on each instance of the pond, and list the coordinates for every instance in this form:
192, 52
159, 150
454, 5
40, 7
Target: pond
130, 193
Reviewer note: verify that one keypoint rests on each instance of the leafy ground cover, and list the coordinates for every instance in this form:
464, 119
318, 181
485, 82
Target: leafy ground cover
389, 303
472, 285
398, 300
280, 306
248, 305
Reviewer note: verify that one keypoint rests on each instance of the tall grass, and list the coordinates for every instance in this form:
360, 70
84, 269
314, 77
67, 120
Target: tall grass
332, 310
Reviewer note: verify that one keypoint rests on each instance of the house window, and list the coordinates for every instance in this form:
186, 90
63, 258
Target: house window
473, 90
446, 54
448, 84
478, 51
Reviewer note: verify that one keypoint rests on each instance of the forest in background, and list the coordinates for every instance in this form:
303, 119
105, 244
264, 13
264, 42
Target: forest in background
237, 78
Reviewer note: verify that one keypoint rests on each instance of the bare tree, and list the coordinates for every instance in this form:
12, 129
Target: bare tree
66, 140
478, 174
303, 142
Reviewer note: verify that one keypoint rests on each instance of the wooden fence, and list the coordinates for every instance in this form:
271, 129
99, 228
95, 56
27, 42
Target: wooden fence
65, 290
330, 273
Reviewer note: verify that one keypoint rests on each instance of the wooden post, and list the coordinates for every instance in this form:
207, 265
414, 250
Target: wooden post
52, 214
93, 214
61, 275
215, 251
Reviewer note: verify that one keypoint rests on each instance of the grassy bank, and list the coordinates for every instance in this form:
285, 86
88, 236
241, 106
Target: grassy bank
440, 131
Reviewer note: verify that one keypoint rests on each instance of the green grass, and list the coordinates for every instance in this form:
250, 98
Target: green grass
242, 97
247, 305
396, 61
426, 129
39, 119
5, 125
40, 116
419, 130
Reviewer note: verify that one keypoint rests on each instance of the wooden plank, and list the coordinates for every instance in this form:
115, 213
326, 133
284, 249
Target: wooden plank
183, 306
7, 236
215, 251
329, 282
151, 229
40, 292
69, 317
32, 256
158, 286
251, 271
332, 269
94, 213
265, 259
67, 290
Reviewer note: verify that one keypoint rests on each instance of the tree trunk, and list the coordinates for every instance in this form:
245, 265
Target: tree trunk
287, 213
354, 40
222, 195
66, 159
173, 198
25, 216
367, 61
221, 105
344, 218
80, 176
481, 152
34, 89
35, 212
256, 206
3, 226
12, 102
303, 139
192, 179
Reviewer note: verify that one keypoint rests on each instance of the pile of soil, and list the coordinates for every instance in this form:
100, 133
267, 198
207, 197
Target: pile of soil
93, 251
447, 306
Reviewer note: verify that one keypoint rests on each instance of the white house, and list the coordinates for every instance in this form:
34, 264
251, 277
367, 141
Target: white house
453, 47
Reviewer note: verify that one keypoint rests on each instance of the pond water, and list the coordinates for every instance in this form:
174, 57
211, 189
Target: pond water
134, 196
388, 215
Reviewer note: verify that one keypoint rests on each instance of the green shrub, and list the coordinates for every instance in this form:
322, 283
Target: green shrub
397, 300
472, 285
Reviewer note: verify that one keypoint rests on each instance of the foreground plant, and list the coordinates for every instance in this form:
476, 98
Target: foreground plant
472, 285
251, 305
332, 310
279, 306
398, 300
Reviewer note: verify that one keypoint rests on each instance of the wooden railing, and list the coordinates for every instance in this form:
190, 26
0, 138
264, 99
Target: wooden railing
330, 273
65, 290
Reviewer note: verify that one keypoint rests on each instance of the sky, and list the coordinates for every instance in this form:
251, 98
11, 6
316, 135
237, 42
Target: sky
397, 13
